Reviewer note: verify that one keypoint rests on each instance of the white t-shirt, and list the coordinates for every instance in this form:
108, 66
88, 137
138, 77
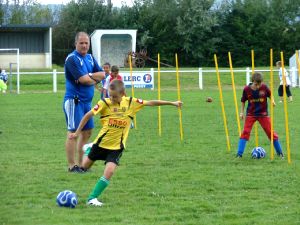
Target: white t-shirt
107, 80
287, 78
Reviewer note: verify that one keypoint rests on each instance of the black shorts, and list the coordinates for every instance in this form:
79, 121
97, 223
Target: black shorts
287, 89
98, 153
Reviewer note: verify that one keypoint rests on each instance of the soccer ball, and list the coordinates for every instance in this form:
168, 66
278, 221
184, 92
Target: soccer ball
209, 99
67, 199
258, 153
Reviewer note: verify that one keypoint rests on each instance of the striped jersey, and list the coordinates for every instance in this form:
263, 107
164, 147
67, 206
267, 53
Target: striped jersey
115, 120
257, 100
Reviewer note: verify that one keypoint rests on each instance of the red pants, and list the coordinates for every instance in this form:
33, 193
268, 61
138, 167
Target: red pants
265, 123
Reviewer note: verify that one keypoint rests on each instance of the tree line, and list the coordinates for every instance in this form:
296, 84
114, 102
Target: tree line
195, 29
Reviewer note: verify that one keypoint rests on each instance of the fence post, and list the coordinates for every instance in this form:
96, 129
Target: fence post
54, 81
152, 74
10, 77
247, 75
200, 79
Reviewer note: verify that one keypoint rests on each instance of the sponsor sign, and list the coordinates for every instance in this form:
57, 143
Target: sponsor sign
140, 79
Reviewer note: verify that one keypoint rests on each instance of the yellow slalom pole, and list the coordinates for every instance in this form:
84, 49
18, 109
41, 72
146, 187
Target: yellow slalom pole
179, 98
298, 63
285, 111
252, 61
222, 103
272, 107
158, 93
255, 125
234, 95
132, 86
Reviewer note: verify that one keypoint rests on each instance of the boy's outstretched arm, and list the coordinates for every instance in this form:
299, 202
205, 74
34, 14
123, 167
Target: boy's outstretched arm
162, 102
82, 123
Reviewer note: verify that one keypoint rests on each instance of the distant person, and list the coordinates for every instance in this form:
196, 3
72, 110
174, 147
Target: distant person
256, 93
288, 83
114, 75
99, 87
82, 72
3, 81
116, 113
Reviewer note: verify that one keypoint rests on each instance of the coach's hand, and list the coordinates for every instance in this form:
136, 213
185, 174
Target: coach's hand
72, 136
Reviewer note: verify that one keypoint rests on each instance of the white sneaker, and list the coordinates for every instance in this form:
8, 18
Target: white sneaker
87, 148
94, 202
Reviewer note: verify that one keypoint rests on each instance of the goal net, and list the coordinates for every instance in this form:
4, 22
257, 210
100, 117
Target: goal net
10, 62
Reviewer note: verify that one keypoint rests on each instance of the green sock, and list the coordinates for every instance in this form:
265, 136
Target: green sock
101, 184
87, 151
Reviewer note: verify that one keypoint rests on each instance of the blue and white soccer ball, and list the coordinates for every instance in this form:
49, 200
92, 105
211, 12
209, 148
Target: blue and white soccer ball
67, 199
258, 153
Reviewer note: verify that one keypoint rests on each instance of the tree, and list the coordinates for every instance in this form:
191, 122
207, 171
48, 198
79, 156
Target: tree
258, 25
38, 14
27, 12
1, 11
194, 27
82, 15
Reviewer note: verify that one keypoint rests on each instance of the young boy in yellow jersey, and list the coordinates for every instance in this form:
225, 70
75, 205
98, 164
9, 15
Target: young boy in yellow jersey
116, 115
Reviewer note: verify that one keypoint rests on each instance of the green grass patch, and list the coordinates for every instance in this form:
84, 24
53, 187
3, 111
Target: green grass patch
161, 180
31, 83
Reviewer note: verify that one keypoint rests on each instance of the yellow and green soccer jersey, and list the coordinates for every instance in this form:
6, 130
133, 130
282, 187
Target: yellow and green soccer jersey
116, 120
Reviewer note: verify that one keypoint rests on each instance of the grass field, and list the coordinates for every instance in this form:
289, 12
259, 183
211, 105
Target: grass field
160, 180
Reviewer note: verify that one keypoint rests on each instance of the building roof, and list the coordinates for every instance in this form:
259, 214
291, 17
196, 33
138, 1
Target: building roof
114, 31
24, 27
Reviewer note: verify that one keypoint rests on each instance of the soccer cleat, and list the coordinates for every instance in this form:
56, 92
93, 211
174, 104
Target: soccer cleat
94, 202
83, 170
87, 148
238, 156
281, 155
76, 169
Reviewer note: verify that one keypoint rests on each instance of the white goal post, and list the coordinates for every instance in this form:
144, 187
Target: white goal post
8, 50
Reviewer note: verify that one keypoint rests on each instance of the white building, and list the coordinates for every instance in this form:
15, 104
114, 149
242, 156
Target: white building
294, 69
33, 41
113, 45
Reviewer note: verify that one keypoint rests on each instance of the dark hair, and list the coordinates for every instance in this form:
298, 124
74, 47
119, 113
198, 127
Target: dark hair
257, 77
81, 33
278, 63
106, 64
117, 85
114, 69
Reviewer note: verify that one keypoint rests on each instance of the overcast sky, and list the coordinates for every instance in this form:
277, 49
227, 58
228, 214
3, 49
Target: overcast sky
116, 3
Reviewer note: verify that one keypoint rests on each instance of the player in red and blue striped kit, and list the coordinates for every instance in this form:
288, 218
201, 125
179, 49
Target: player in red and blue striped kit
256, 93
